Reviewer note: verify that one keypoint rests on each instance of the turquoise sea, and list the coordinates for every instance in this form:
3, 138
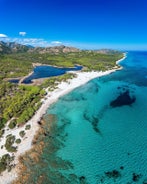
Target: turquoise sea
98, 132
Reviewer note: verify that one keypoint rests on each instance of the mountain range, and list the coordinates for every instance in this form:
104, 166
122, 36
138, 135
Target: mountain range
13, 47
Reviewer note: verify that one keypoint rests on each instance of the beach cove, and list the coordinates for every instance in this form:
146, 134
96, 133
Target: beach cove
51, 97
91, 122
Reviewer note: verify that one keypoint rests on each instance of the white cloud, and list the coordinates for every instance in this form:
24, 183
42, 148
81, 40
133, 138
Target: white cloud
30, 41
22, 33
36, 42
3, 36
56, 42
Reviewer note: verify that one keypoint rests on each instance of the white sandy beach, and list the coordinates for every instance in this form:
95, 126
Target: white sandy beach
51, 97
125, 55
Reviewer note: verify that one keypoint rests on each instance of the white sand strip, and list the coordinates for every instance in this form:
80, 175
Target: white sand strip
125, 55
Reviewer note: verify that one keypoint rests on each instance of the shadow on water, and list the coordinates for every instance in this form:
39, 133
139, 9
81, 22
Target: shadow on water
123, 99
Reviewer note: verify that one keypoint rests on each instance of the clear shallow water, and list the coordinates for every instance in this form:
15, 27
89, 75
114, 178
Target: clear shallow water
121, 139
97, 143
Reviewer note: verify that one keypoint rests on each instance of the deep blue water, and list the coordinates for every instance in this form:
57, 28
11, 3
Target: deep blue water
48, 71
14, 81
107, 144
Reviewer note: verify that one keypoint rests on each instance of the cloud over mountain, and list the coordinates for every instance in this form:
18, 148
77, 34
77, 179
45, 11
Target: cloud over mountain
56, 42
3, 35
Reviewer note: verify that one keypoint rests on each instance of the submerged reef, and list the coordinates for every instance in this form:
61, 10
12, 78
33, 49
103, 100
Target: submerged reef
42, 165
123, 99
114, 176
93, 120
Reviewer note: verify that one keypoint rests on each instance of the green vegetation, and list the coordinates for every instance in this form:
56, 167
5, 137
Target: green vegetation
9, 143
22, 134
1, 132
17, 65
11, 66
12, 124
27, 127
19, 102
5, 162
2, 123
18, 141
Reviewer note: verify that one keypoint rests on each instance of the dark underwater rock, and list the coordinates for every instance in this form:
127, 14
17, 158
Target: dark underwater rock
113, 174
93, 120
82, 180
123, 99
78, 97
121, 167
136, 177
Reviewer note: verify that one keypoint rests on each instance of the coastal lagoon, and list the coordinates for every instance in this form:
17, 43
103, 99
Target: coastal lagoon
45, 71
98, 133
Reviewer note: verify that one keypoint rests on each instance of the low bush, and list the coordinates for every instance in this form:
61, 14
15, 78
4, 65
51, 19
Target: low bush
18, 141
12, 124
27, 127
2, 132
4, 162
22, 133
9, 142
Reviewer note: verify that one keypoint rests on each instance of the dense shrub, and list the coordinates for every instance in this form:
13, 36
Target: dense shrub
12, 124
9, 143
27, 127
22, 133
2, 132
5, 162
18, 141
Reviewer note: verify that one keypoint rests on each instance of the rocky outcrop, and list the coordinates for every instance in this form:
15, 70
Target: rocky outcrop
54, 50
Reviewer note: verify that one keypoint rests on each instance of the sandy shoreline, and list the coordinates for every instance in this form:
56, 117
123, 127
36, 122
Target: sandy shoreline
125, 55
51, 97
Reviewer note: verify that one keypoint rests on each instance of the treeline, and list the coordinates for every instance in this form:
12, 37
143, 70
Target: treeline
13, 67
19, 102
20, 64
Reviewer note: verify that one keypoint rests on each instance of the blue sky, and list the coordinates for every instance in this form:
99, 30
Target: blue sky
119, 24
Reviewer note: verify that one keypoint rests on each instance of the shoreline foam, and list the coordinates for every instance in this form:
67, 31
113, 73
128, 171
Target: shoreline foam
51, 97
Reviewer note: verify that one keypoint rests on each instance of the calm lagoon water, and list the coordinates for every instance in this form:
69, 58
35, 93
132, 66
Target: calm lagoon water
48, 71
94, 141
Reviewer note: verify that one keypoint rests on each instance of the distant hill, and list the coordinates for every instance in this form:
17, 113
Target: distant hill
4, 49
104, 51
13, 47
54, 50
